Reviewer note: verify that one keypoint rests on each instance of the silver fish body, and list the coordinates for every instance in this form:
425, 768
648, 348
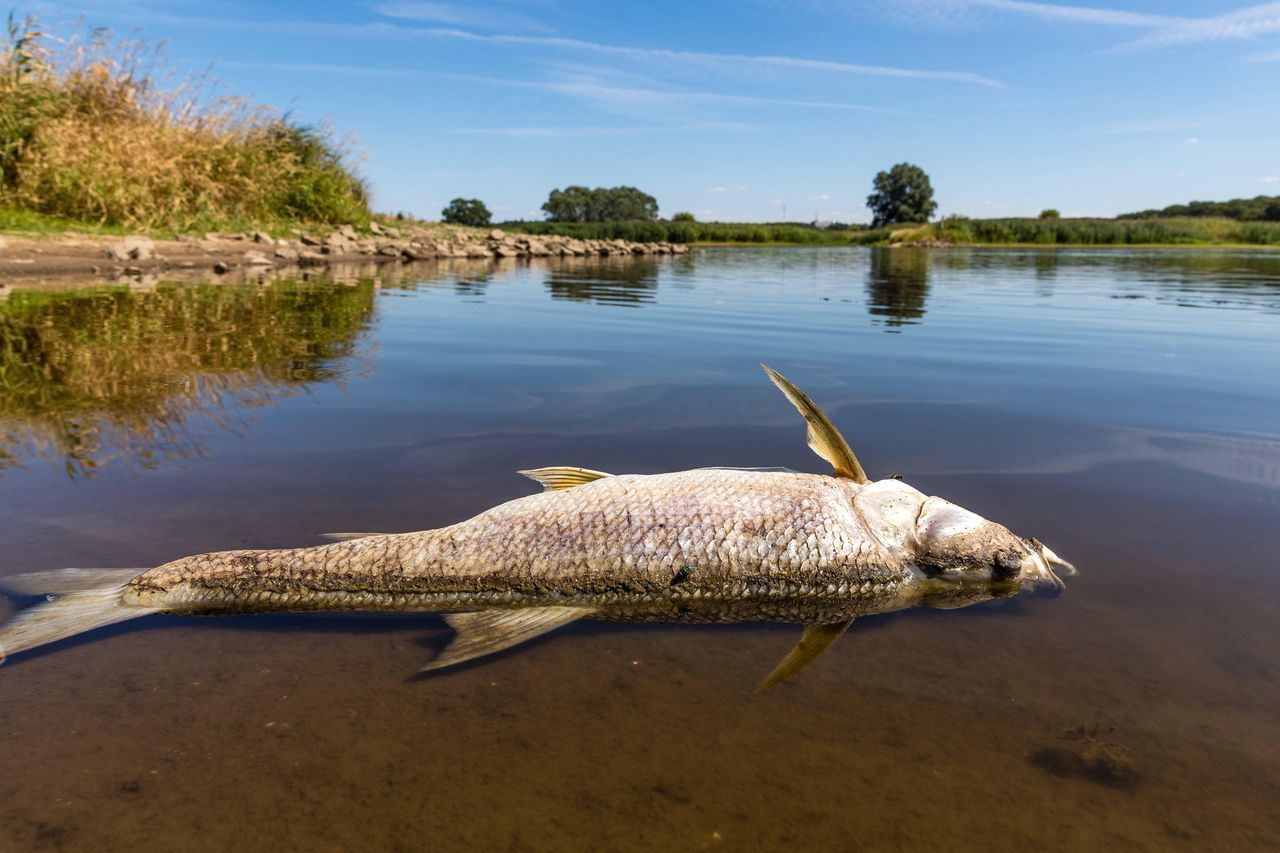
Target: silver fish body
698, 546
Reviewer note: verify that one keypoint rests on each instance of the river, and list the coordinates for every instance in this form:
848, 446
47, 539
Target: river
1119, 404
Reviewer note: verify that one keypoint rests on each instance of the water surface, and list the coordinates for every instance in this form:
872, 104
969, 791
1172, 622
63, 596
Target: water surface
1121, 405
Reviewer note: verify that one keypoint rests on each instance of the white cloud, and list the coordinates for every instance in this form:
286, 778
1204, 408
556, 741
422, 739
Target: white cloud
1271, 179
1192, 140
719, 189
823, 197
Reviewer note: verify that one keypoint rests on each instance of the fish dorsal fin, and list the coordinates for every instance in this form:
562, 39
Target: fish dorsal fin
489, 631
824, 438
347, 537
553, 479
815, 640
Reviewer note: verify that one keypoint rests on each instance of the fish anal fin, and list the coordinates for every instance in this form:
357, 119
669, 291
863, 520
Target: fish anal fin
556, 478
815, 640
489, 631
823, 437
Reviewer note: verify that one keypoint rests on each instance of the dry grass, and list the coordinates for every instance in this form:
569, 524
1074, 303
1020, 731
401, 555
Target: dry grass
88, 131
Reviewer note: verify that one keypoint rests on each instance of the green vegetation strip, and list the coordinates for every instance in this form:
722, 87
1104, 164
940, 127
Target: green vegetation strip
952, 230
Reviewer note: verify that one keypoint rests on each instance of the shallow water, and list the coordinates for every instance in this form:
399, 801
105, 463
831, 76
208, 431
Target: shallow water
1119, 405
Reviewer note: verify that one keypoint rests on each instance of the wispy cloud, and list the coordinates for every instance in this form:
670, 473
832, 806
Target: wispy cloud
458, 15
614, 96
324, 68
1078, 14
664, 56
1263, 56
823, 197
597, 93
1271, 179
1248, 22
692, 56
1152, 125
540, 132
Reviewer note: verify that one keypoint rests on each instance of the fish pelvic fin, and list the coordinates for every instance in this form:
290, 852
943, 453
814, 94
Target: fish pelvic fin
79, 600
553, 479
823, 437
815, 640
490, 631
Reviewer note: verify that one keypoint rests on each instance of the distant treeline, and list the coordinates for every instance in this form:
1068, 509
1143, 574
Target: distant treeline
704, 232
1263, 208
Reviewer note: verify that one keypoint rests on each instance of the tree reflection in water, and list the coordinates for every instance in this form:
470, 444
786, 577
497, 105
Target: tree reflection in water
898, 285
606, 281
101, 375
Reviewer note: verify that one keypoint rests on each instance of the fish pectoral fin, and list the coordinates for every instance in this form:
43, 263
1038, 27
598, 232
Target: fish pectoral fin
823, 437
347, 537
815, 640
553, 479
489, 631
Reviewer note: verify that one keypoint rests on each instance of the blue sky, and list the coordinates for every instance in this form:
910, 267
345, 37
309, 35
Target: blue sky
756, 109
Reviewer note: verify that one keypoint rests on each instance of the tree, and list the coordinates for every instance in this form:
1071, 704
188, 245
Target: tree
902, 194
683, 216
466, 211
619, 204
1049, 213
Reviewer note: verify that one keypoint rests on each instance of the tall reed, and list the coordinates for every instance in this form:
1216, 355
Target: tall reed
92, 129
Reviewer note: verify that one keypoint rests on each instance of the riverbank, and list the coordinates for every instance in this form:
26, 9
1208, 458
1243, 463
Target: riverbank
25, 256
950, 231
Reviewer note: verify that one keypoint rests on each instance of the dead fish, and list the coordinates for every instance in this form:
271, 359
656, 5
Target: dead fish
708, 545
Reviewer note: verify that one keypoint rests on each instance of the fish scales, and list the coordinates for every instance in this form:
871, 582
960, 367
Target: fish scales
616, 542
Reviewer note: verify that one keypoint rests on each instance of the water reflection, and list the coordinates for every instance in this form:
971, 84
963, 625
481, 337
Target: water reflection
89, 377
607, 281
898, 285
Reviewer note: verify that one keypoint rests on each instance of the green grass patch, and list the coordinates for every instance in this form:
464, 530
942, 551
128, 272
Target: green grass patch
1104, 232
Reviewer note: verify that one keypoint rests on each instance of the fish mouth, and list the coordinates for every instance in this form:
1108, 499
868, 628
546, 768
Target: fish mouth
1044, 569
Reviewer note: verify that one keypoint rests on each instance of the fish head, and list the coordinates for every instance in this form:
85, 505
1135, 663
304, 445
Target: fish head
955, 546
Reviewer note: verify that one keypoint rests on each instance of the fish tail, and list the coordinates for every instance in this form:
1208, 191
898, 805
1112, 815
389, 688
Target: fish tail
78, 600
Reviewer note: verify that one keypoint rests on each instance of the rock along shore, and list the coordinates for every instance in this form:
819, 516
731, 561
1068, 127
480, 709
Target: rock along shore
221, 253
